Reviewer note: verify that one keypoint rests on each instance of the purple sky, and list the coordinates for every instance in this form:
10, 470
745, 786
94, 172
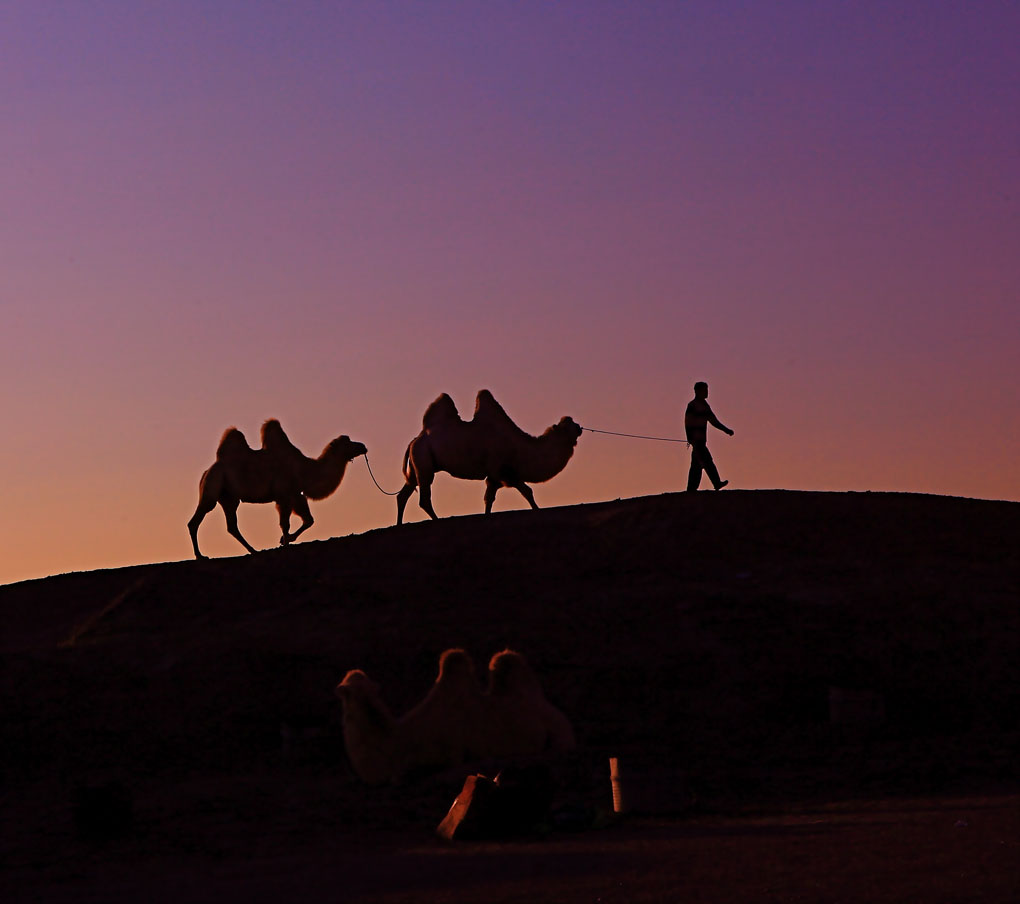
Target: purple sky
218, 212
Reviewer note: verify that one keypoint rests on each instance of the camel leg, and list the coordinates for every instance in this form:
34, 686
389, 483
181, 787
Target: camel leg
284, 510
208, 490
525, 491
425, 499
420, 469
300, 507
229, 505
491, 488
406, 491
410, 485
196, 520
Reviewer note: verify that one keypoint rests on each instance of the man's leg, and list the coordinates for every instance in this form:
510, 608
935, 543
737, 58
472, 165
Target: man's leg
694, 475
701, 460
710, 469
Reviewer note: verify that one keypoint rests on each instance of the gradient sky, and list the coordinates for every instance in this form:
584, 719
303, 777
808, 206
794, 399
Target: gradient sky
216, 212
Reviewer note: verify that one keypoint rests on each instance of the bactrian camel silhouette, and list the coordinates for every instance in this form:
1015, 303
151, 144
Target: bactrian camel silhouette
278, 472
458, 721
489, 447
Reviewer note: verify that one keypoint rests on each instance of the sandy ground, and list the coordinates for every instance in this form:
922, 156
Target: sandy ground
909, 850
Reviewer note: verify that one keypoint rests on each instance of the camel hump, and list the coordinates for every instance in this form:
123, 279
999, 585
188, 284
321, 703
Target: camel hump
485, 403
510, 674
442, 409
274, 438
231, 443
455, 666
488, 411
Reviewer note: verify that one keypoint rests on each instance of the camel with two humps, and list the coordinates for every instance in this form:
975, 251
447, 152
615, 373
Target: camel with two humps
278, 472
456, 722
489, 447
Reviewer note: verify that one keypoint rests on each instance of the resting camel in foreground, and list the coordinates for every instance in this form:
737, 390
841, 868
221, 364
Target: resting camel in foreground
455, 723
278, 472
489, 447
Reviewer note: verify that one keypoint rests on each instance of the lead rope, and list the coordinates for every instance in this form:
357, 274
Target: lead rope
658, 439
376, 482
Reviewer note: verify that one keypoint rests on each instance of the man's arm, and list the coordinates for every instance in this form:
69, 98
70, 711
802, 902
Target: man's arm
715, 422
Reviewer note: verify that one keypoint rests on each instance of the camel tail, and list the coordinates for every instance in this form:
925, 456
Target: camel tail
210, 485
403, 467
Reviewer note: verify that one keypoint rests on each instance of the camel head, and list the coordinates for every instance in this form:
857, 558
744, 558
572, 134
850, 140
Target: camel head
345, 448
356, 685
369, 728
570, 428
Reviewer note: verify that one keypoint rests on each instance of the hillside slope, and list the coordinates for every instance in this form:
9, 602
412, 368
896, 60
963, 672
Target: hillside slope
680, 623
697, 638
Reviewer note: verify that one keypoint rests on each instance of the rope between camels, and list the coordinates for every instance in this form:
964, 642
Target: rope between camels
376, 482
658, 439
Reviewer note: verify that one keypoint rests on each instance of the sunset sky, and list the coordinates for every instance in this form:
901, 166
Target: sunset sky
216, 212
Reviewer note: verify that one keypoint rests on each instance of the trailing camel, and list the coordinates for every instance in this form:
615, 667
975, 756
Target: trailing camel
455, 723
489, 447
278, 472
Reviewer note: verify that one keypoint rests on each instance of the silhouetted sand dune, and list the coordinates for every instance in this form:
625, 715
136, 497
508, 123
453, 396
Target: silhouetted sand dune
765, 647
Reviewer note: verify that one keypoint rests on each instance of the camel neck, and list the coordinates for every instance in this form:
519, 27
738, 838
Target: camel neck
323, 475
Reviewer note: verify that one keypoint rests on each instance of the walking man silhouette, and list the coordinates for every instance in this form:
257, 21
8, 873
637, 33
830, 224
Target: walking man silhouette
697, 417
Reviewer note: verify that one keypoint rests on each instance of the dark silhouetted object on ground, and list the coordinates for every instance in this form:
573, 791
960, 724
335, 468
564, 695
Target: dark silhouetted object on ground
697, 417
474, 813
278, 472
518, 802
489, 447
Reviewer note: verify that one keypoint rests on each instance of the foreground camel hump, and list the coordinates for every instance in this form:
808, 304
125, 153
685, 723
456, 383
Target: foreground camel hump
521, 719
278, 472
454, 723
489, 447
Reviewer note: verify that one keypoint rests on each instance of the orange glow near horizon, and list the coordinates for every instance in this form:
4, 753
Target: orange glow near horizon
220, 214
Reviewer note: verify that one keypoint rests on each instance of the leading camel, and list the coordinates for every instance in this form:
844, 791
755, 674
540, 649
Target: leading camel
278, 472
489, 447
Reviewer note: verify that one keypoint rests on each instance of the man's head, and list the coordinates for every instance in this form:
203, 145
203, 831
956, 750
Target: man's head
701, 390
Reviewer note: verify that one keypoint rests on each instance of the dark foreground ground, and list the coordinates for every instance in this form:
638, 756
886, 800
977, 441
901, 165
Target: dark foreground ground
697, 638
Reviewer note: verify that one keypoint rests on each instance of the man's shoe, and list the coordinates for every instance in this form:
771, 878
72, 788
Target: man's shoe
722, 484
